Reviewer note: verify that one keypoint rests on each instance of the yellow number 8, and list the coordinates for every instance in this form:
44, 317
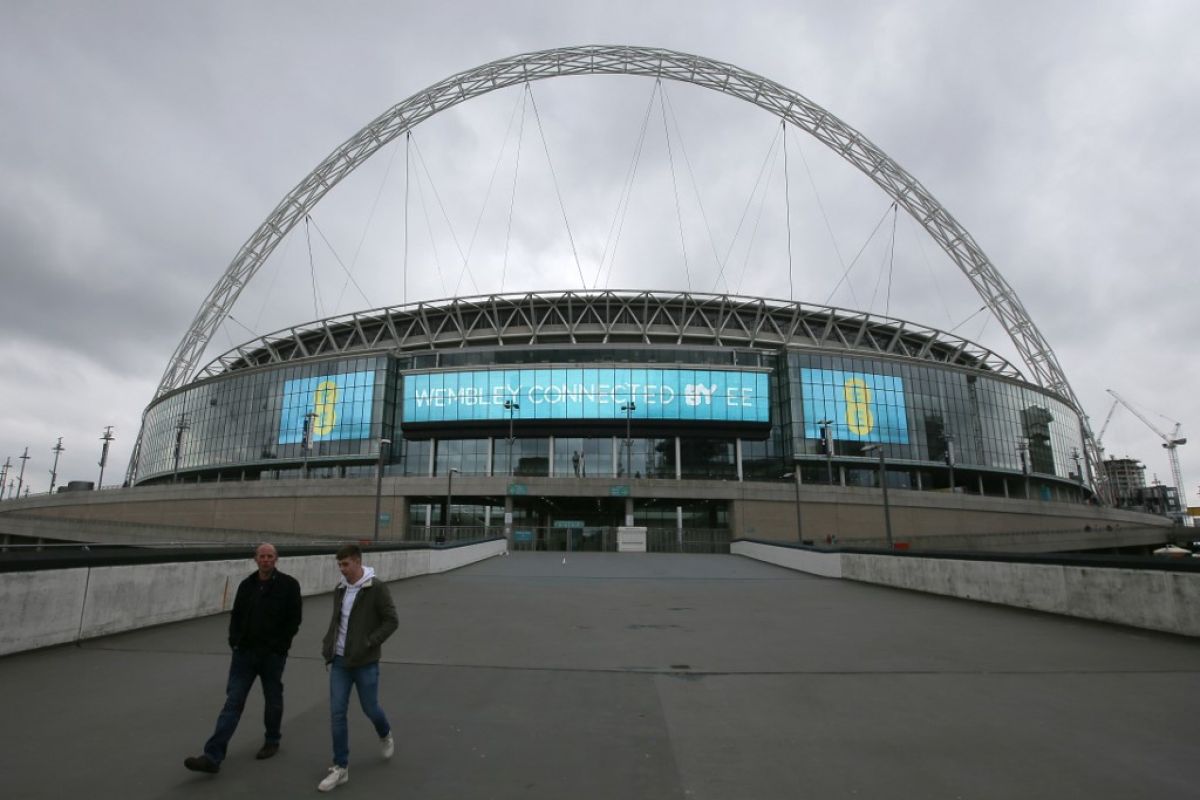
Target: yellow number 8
859, 418
325, 399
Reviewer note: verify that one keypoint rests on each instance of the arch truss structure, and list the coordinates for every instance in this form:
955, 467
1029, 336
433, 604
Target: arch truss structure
610, 316
784, 103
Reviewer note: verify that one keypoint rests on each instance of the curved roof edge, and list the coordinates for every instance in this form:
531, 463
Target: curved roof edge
607, 317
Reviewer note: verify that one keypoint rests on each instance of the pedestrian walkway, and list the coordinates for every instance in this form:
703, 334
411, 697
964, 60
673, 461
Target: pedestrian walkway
637, 676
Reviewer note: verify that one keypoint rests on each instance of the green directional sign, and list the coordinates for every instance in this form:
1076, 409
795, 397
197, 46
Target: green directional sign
618, 491
517, 488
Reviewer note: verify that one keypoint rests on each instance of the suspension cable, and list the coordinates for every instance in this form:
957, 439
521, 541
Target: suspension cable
445, 215
404, 269
617, 227
338, 259
825, 216
487, 195
762, 170
433, 241
687, 162
787, 204
675, 188
312, 269
512, 200
857, 256
885, 266
758, 215
366, 227
887, 305
558, 192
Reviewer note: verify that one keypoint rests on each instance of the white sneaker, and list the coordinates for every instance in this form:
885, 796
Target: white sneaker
336, 777
387, 745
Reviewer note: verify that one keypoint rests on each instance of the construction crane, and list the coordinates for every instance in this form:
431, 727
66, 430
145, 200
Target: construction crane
1170, 443
1104, 427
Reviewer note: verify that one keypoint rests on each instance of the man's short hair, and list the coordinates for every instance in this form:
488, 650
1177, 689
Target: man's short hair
349, 551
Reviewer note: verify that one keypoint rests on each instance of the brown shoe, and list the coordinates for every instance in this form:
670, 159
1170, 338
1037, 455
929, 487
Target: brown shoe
267, 750
201, 764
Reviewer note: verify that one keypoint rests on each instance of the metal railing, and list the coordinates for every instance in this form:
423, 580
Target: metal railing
604, 539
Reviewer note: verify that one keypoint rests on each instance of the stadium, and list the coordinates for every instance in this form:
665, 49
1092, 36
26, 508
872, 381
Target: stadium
556, 417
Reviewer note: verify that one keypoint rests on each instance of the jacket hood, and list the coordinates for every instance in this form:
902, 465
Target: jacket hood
368, 574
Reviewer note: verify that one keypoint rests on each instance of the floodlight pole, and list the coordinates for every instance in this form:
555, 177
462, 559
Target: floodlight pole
887, 509
827, 438
799, 516
21, 475
383, 443
180, 427
57, 450
949, 439
449, 495
511, 407
1022, 450
628, 408
306, 441
107, 439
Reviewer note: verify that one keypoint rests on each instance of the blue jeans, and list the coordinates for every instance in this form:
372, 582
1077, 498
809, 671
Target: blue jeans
366, 679
244, 667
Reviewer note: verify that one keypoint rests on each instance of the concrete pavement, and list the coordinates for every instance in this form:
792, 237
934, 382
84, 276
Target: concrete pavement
637, 676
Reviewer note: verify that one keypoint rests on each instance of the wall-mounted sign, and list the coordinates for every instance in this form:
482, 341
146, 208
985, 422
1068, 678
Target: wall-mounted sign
339, 405
860, 406
709, 395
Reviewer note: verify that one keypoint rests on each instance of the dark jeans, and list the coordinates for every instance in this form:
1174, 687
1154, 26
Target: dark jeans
366, 680
244, 667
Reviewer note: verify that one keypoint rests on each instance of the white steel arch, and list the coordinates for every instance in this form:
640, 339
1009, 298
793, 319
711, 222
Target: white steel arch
788, 105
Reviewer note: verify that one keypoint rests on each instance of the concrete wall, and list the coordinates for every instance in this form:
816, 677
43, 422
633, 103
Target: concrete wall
58, 606
1152, 599
344, 510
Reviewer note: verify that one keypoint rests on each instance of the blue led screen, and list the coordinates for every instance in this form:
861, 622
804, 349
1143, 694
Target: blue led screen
668, 394
862, 407
340, 404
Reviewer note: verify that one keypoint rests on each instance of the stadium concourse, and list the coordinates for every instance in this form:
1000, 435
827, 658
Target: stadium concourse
597, 675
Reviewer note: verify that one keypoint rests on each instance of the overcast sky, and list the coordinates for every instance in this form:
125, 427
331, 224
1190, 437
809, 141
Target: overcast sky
142, 143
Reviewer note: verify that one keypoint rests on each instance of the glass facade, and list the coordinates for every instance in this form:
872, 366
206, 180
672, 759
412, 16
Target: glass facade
318, 411
919, 413
825, 415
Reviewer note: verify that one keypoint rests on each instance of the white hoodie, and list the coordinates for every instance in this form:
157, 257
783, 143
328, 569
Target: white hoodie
339, 646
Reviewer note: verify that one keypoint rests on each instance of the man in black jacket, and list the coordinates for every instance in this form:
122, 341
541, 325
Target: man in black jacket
265, 618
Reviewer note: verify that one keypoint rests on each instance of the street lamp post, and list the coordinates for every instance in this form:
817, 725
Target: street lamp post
949, 439
57, 450
1022, 450
511, 407
449, 497
887, 510
383, 443
180, 427
306, 441
827, 439
628, 408
21, 475
107, 439
799, 517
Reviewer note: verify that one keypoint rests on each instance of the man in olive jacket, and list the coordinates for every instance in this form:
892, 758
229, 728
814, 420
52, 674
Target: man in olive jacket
363, 618
266, 615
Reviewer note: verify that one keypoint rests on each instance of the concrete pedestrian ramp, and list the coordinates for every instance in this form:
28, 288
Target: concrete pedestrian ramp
637, 676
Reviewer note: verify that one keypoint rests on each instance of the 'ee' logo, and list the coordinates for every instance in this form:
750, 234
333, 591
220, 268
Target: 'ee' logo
695, 394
